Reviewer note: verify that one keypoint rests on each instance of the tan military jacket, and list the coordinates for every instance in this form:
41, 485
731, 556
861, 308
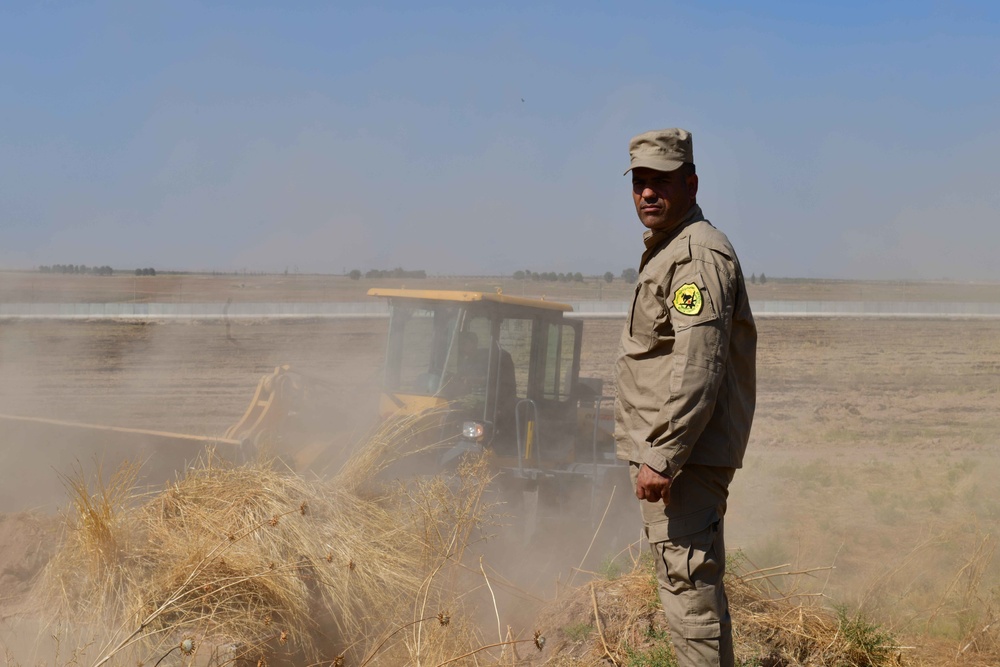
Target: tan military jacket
687, 371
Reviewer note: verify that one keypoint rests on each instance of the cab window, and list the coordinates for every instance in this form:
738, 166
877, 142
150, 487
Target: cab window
418, 347
558, 372
515, 339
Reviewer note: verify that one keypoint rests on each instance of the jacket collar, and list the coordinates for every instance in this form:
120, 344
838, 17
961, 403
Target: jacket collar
655, 239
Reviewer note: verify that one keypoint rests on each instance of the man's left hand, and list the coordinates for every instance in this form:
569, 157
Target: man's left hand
652, 486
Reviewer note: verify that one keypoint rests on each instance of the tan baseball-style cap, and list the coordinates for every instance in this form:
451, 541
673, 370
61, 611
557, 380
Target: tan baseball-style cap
662, 150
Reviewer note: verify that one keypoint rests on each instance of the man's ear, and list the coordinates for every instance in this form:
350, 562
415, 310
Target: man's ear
692, 183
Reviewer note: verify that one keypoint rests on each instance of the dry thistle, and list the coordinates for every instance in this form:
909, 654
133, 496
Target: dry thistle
283, 637
232, 537
351, 565
261, 661
271, 565
539, 640
187, 646
444, 618
302, 508
273, 521
329, 557
338, 661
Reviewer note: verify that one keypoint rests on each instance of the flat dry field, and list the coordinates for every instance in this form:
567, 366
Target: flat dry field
35, 287
875, 447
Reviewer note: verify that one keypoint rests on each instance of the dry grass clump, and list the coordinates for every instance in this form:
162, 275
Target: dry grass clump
618, 621
98, 540
254, 561
605, 621
779, 626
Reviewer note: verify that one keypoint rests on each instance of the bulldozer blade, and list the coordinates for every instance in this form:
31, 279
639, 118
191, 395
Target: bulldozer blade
37, 454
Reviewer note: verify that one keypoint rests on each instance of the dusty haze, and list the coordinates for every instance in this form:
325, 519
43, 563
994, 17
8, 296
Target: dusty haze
873, 449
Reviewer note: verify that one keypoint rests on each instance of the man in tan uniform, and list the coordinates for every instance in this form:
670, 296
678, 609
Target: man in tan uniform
686, 391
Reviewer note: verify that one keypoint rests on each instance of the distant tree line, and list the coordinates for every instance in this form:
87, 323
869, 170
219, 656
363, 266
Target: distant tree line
241, 272
629, 275
392, 273
91, 270
549, 276
78, 268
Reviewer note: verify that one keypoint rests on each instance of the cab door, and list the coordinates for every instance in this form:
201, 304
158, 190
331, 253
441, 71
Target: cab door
557, 368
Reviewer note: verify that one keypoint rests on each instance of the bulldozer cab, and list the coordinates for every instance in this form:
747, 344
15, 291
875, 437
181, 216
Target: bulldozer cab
506, 368
502, 373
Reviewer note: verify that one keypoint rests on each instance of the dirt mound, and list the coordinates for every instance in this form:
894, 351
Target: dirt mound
254, 562
27, 542
618, 621
607, 621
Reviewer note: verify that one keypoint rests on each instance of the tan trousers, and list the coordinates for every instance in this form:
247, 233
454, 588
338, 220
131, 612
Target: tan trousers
690, 570
688, 546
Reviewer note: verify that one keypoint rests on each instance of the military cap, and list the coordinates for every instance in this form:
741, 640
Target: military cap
662, 150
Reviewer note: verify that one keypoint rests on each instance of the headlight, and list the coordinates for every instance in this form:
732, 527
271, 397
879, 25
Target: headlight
473, 431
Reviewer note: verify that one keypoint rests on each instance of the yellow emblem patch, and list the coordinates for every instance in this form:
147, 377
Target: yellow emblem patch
688, 299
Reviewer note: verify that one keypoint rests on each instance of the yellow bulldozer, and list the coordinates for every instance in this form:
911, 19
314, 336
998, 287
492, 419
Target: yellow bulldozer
496, 373
504, 373
499, 372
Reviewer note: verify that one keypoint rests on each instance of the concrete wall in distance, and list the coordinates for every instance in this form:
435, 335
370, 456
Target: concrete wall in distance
378, 308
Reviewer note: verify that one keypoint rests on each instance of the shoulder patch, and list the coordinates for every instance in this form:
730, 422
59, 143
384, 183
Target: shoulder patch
688, 299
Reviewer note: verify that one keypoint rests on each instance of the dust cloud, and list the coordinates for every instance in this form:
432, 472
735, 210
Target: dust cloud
197, 378
872, 455
194, 378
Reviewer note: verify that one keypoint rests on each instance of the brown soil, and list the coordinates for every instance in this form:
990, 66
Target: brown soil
875, 447
26, 544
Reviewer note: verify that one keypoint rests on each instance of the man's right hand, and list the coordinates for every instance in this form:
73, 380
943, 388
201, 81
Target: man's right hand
652, 486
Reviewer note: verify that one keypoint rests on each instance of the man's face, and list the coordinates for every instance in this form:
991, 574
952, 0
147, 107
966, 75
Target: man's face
663, 198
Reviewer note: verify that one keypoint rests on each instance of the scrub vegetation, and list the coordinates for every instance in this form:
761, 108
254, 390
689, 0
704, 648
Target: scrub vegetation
862, 530
254, 563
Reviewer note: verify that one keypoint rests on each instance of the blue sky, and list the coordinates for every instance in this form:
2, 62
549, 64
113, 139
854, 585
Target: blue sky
860, 140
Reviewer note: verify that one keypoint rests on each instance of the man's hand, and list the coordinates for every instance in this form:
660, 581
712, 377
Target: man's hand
652, 486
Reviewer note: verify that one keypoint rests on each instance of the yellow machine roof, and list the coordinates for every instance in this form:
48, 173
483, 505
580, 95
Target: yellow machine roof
456, 295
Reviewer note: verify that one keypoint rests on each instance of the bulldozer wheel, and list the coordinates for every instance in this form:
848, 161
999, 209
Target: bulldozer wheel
260, 440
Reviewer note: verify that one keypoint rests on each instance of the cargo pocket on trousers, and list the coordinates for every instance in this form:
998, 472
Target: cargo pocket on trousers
706, 603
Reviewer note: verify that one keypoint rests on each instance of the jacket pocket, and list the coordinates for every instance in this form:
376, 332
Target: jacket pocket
647, 314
